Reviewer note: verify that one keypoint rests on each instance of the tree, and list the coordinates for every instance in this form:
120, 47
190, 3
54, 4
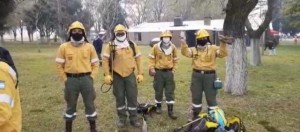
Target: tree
237, 12
208, 8
291, 15
50, 17
112, 14
179, 8
293, 12
72, 10
158, 9
92, 6
256, 34
137, 11
6, 7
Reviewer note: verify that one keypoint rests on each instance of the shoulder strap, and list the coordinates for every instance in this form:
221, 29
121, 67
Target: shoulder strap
131, 44
112, 47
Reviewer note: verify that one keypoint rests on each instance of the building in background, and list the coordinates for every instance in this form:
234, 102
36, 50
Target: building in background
145, 32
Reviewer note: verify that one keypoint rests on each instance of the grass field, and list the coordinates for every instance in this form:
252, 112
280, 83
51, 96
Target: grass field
272, 102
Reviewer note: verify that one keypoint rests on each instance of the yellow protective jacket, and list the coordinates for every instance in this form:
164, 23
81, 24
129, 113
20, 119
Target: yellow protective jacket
10, 106
82, 59
204, 59
124, 62
159, 59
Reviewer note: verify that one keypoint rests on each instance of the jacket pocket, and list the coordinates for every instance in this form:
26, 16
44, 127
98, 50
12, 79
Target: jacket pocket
69, 59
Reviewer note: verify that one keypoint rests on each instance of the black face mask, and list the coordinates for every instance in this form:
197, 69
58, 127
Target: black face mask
202, 42
77, 36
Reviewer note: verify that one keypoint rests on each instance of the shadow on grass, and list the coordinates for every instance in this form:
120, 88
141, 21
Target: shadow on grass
266, 125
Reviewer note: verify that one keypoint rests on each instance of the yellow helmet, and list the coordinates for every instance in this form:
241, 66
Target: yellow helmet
166, 33
119, 28
75, 25
202, 33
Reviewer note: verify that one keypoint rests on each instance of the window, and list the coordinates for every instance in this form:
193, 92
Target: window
139, 36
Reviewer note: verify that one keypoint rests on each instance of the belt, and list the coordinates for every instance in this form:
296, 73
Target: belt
205, 71
76, 75
164, 70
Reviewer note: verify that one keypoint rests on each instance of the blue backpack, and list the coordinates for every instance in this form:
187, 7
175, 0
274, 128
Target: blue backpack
218, 115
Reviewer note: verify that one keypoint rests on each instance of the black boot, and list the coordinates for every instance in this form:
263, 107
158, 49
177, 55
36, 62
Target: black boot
158, 108
92, 125
135, 123
196, 112
121, 123
68, 126
171, 112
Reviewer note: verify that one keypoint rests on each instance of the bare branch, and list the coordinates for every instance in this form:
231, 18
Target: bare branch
268, 18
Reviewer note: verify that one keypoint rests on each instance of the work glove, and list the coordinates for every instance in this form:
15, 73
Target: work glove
139, 78
226, 39
152, 72
108, 79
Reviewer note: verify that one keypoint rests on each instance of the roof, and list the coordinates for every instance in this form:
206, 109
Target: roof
216, 24
256, 17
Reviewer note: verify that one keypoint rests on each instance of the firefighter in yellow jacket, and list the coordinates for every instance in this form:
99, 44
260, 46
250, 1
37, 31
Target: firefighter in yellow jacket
162, 65
204, 56
120, 59
10, 106
78, 64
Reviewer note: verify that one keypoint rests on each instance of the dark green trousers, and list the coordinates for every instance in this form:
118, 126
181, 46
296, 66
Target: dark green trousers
125, 92
164, 82
203, 83
83, 86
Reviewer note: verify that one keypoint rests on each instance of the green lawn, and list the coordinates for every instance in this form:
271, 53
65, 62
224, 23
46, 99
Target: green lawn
271, 104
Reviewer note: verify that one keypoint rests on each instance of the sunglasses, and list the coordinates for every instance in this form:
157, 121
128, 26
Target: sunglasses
120, 34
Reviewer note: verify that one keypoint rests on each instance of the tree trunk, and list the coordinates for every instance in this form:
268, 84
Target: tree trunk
236, 68
255, 57
237, 12
47, 36
31, 34
55, 38
29, 37
236, 63
2, 39
15, 34
263, 43
22, 35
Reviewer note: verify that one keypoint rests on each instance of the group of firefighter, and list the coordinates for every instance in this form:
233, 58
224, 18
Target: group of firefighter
77, 63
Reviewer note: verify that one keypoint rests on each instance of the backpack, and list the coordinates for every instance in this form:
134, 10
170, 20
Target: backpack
235, 123
218, 116
146, 109
6, 57
207, 123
